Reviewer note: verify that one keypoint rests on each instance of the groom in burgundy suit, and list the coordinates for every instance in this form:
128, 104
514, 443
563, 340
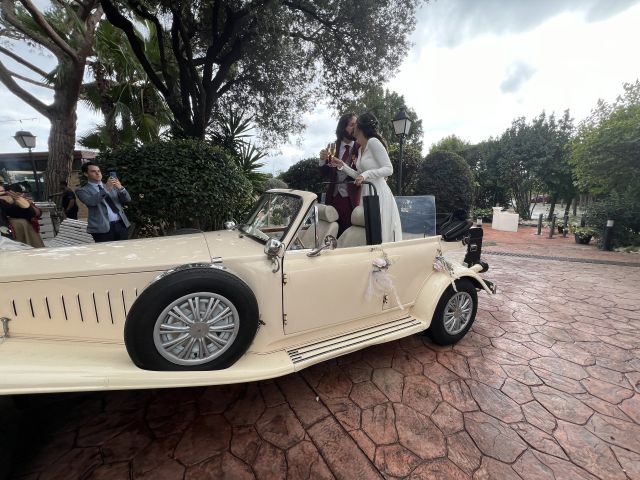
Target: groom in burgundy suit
343, 197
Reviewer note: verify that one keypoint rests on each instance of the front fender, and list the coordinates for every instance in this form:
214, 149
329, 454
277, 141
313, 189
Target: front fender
431, 292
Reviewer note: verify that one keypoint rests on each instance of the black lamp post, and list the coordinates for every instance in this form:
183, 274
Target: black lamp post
28, 140
401, 126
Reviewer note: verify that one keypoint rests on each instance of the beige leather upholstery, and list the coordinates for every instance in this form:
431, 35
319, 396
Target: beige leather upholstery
327, 225
355, 235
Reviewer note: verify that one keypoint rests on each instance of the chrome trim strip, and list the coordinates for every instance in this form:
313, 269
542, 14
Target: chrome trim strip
316, 349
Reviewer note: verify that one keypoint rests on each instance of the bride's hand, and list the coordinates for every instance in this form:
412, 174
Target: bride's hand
359, 179
336, 162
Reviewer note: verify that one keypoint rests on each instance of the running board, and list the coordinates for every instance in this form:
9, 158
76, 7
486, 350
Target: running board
333, 347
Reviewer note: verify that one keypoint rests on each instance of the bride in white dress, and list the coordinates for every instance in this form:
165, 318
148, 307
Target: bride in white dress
373, 165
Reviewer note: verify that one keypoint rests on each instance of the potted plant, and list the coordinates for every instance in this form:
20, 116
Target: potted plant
583, 235
559, 224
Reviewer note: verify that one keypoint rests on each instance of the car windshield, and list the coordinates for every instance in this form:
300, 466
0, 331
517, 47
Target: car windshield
272, 216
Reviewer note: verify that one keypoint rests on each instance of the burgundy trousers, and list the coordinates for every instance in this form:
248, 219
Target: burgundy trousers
343, 206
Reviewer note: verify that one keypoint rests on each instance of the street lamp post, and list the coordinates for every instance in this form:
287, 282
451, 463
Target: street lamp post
401, 126
28, 140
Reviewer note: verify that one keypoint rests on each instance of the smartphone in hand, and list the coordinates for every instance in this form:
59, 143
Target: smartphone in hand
113, 174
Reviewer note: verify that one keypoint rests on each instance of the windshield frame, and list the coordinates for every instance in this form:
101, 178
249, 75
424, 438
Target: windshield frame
251, 227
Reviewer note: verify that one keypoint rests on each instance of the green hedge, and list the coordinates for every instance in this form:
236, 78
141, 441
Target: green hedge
304, 175
179, 183
624, 210
447, 176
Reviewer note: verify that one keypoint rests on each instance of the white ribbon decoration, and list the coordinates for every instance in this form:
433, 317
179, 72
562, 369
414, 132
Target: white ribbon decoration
381, 282
441, 264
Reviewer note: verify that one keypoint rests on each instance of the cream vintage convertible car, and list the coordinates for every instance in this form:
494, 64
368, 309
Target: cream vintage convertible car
251, 302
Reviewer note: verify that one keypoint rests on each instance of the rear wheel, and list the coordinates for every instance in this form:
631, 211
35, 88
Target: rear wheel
194, 319
454, 314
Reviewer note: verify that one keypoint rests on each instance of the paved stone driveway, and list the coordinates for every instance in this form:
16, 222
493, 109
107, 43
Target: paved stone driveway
547, 385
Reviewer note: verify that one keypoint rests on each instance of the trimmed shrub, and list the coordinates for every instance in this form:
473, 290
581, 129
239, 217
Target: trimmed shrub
270, 183
304, 175
179, 183
447, 176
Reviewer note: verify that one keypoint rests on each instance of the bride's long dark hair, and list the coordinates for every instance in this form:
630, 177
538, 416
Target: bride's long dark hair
368, 125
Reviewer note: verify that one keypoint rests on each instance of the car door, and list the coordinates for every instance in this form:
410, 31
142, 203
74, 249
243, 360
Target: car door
411, 263
328, 289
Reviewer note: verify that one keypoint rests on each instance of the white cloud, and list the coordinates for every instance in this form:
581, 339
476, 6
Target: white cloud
517, 74
457, 90
449, 23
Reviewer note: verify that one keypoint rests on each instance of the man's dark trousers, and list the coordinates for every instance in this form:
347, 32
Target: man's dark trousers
117, 231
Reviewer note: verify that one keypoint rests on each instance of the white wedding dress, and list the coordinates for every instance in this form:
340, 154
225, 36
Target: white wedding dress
374, 165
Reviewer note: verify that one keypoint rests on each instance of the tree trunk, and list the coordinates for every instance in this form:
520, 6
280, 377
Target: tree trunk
568, 207
63, 118
552, 207
522, 205
62, 138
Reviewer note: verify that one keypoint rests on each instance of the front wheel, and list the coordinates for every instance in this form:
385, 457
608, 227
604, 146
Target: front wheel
194, 319
454, 314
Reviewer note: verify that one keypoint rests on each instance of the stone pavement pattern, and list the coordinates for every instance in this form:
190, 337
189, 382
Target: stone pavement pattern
545, 386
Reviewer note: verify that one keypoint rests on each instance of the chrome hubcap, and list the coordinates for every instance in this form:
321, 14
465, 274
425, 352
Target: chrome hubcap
457, 313
196, 328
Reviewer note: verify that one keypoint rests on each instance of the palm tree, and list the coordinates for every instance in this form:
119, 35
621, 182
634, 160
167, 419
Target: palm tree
232, 132
132, 108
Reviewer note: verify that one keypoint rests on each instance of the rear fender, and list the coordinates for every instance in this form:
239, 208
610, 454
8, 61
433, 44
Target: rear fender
429, 296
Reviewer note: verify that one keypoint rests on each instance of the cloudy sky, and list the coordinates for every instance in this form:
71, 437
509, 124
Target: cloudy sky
475, 66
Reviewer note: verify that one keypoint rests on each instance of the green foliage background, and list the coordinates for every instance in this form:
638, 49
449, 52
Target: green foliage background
304, 175
447, 176
179, 183
622, 208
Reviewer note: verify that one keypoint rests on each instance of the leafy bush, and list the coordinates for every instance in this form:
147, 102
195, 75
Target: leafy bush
179, 183
411, 161
485, 213
304, 175
624, 210
447, 176
584, 231
270, 183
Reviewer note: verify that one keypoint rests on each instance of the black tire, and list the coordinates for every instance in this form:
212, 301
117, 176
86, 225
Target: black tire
144, 324
466, 302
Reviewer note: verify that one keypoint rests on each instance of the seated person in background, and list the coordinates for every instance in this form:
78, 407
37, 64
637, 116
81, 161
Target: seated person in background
69, 201
20, 213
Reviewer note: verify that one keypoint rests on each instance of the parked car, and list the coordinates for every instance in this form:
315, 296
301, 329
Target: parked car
540, 199
251, 302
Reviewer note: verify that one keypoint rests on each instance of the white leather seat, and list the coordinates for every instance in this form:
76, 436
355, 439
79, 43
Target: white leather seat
327, 225
355, 235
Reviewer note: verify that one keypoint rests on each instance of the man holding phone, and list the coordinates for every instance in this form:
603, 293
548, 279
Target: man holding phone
107, 221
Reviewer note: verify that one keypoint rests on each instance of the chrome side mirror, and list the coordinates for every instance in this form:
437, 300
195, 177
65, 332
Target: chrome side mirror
273, 247
330, 243
230, 225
